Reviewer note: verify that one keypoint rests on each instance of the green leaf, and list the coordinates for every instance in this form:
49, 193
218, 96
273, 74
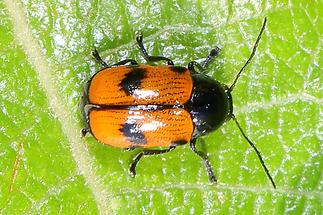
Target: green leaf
45, 167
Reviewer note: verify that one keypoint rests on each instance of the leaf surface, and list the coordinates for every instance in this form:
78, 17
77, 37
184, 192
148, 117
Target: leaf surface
46, 58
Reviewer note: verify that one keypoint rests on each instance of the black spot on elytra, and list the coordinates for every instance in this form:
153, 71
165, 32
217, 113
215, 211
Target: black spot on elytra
178, 69
179, 142
132, 80
133, 134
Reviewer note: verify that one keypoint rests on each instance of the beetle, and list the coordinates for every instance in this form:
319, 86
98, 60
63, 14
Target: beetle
129, 106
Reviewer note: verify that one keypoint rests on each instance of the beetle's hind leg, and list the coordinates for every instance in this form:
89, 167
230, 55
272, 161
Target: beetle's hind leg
123, 62
132, 169
206, 161
150, 58
97, 56
213, 53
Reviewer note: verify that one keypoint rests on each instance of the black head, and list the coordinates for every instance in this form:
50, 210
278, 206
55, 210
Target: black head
210, 104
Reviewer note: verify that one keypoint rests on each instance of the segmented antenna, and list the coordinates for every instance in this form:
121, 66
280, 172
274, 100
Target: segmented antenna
251, 55
255, 149
233, 116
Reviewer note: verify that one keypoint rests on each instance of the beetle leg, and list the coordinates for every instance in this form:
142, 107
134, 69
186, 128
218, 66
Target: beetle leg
123, 62
132, 169
191, 67
149, 57
130, 148
84, 131
206, 161
97, 56
213, 53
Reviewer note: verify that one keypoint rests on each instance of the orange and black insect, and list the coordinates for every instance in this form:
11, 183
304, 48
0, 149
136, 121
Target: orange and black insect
128, 105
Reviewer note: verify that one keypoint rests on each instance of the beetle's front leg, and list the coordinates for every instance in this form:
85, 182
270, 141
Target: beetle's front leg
213, 53
206, 161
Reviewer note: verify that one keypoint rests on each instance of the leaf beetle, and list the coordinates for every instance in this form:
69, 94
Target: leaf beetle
129, 106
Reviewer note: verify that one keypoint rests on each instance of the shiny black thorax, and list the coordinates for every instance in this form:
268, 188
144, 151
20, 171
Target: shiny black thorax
210, 104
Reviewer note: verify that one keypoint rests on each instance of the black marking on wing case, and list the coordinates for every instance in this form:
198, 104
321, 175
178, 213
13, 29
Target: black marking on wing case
132, 80
179, 142
178, 69
133, 134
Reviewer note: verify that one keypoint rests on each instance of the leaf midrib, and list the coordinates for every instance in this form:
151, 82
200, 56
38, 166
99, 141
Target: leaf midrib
32, 50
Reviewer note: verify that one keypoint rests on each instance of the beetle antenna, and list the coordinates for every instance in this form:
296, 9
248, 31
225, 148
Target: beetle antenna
251, 55
255, 149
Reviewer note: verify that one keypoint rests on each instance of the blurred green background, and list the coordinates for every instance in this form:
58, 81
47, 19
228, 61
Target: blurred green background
46, 168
